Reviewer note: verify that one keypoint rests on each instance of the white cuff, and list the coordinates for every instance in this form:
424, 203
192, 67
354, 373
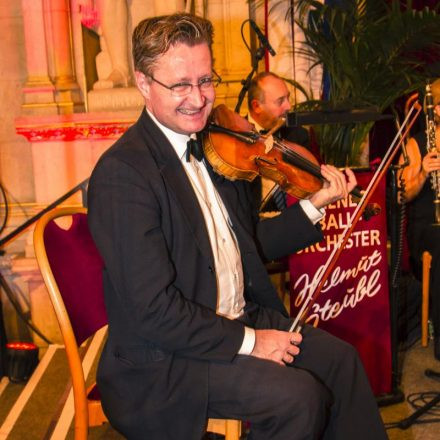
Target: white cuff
248, 341
314, 214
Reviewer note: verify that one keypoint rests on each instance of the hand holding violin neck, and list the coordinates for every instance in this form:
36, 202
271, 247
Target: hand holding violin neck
335, 186
236, 151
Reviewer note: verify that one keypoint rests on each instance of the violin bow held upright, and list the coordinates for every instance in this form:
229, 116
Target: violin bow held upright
326, 270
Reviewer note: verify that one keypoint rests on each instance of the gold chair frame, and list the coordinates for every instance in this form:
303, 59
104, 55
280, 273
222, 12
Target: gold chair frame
89, 412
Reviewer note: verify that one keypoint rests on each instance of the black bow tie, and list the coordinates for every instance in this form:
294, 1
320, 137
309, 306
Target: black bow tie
195, 148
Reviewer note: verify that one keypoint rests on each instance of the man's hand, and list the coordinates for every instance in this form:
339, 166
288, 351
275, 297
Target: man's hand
276, 346
335, 186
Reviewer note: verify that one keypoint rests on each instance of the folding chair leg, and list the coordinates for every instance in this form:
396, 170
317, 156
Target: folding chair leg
233, 429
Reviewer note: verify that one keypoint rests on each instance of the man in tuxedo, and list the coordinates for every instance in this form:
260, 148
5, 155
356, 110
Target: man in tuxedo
268, 101
196, 329
422, 232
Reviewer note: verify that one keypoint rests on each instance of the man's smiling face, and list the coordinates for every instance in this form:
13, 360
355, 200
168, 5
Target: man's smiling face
180, 64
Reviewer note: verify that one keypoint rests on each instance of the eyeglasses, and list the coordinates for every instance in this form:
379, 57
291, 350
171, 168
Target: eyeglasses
184, 89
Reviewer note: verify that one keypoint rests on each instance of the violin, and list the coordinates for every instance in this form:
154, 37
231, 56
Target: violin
236, 151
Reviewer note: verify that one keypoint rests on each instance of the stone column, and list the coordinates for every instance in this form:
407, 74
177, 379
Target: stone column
286, 38
232, 59
38, 91
59, 45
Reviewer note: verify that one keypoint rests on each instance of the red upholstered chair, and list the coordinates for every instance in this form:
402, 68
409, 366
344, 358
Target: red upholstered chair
72, 271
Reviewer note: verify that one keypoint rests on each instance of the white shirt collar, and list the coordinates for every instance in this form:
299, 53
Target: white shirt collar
177, 140
258, 127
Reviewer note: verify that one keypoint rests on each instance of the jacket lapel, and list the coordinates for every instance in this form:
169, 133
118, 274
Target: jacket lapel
177, 181
231, 197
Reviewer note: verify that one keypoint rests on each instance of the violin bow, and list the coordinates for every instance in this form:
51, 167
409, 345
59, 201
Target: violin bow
326, 270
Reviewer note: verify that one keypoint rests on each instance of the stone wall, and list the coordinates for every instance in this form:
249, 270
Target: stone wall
42, 96
16, 172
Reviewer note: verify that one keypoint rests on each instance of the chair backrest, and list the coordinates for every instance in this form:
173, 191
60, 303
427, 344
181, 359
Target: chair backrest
72, 271
77, 268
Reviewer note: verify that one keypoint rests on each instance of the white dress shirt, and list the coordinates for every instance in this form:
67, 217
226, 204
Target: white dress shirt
227, 259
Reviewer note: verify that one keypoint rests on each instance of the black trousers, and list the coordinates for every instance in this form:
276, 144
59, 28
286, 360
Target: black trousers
325, 394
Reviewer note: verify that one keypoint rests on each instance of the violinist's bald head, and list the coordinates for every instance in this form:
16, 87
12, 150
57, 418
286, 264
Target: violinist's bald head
256, 87
268, 99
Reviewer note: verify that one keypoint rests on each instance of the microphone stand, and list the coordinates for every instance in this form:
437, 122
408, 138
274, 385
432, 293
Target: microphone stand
301, 317
396, 395
259, 55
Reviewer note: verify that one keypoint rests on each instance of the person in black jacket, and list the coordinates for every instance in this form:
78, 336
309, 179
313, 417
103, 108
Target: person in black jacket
196, 329
269, 100
422, 235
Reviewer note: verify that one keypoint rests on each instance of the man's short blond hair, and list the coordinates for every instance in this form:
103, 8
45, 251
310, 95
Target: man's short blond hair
153, 37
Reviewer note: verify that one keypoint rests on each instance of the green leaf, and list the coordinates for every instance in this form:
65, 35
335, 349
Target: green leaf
371, 51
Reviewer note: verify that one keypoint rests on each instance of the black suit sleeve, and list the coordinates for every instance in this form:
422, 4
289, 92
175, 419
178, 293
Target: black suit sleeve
144, 300
287, 233
298, 135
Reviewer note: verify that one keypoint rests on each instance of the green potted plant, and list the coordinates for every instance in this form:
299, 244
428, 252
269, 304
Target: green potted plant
371, 54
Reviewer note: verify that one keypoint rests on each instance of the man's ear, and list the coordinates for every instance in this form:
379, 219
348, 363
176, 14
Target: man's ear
142, 84
256, 106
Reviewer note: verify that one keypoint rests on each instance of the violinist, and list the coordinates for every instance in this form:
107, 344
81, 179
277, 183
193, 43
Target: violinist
269, 100
196, 329
422, 234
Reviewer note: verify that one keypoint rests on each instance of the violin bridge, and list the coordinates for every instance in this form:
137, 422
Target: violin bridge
268, 144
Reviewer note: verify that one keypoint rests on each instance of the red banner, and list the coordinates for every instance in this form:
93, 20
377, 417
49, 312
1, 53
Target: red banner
353, 303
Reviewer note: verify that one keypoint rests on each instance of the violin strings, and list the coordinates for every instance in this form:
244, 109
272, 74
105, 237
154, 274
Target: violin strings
299, 160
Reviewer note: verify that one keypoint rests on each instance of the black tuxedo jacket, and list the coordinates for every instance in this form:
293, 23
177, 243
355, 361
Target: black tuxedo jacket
160, 284
299, 135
